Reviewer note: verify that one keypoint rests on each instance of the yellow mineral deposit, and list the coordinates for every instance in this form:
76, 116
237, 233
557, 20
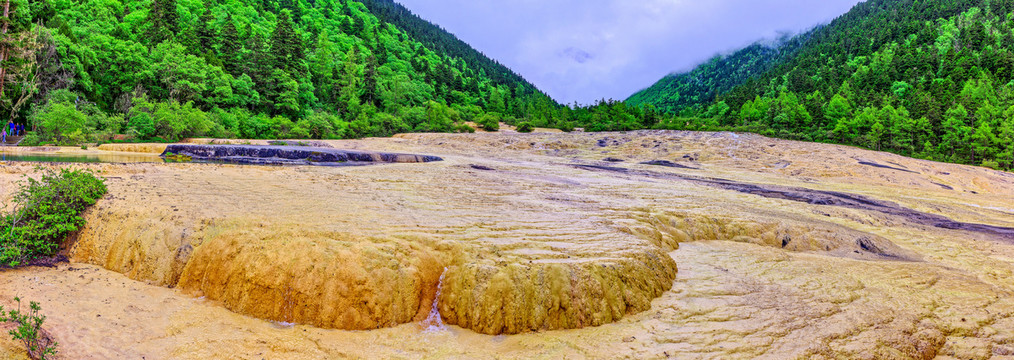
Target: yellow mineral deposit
539, 248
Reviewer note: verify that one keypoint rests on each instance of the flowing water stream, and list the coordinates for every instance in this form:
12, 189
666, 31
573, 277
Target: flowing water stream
435, 322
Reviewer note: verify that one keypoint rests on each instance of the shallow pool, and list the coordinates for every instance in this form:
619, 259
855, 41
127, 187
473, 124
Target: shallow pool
80, 158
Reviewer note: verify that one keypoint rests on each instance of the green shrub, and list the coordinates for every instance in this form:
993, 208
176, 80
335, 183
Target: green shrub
62, 123
463, 128
489, 122
44, 212
525, 127
566, 126
29, 330
31, 139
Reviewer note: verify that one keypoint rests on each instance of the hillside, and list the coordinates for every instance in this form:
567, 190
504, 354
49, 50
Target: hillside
927, 79
436, 38
166, 69
679, 91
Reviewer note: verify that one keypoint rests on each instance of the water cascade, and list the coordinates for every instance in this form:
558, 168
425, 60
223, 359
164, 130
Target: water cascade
434, 322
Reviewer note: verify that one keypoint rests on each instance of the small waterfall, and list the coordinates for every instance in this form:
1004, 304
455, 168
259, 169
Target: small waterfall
287, 311
435, 322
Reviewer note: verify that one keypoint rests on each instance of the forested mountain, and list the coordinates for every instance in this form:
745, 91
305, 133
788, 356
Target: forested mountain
85, 70
680, 91
439, 40
923, 78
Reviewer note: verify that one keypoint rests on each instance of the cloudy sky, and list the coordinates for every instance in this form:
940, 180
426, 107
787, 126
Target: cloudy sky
584, 50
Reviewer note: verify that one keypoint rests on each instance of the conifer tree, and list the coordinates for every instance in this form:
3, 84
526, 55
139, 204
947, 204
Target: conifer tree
206, 38
370, 94
163, 19
230, 46
286, 46
256, 59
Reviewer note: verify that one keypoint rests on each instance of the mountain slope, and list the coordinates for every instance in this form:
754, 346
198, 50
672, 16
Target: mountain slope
922, 78
168, 69
718, 75
436, 38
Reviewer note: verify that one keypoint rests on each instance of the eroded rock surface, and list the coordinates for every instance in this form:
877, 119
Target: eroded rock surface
826, 257
290, 155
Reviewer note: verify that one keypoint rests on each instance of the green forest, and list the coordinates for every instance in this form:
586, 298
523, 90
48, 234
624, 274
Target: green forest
164, 70
929, 79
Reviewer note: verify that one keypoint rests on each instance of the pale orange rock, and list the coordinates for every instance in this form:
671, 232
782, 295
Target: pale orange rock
185, 260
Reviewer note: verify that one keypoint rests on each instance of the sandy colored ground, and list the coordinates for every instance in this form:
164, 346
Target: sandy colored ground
176, 254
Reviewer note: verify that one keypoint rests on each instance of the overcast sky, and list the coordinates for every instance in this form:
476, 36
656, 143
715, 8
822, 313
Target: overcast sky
584, 50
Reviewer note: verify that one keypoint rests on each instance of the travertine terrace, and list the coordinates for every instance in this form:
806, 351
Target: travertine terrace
550, 245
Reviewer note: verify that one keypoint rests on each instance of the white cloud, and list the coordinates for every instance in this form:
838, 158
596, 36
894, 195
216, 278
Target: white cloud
586, 50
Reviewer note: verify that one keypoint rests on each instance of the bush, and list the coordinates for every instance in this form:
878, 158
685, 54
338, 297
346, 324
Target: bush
44, 212
31, 139
489, 122
566, 126
29, 330
525, 127
319, 125
463, 128
63, 123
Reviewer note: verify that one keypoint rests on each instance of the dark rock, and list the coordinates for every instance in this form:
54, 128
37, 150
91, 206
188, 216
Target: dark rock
483, 168
867, 245
289, 155
667, 163
873, 164
827, 198
612, 159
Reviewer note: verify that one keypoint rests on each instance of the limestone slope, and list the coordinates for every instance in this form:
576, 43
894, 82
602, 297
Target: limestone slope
785, 250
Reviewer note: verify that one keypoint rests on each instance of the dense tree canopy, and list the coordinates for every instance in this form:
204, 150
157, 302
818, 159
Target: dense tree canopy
932, 79
168, 69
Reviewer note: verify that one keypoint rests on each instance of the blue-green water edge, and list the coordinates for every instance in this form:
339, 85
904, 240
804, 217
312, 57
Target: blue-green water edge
78, 158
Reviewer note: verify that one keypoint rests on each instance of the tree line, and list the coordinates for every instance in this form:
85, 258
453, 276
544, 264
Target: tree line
167, 69
930, 79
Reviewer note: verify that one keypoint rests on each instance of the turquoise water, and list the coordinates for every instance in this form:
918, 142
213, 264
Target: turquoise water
78, 158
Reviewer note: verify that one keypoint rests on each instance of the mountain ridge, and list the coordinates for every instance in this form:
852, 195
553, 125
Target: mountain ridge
925, 79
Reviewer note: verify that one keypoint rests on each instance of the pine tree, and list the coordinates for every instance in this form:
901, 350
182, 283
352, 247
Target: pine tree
293, 7
256, 64
286, 46
348, 101
164, 20
206, 38
956, 131
370, 93
230, 46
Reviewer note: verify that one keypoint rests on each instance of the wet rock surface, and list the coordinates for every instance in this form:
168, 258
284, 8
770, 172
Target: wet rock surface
882, 166
823, 259
828, 198
667, 163
290, 155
